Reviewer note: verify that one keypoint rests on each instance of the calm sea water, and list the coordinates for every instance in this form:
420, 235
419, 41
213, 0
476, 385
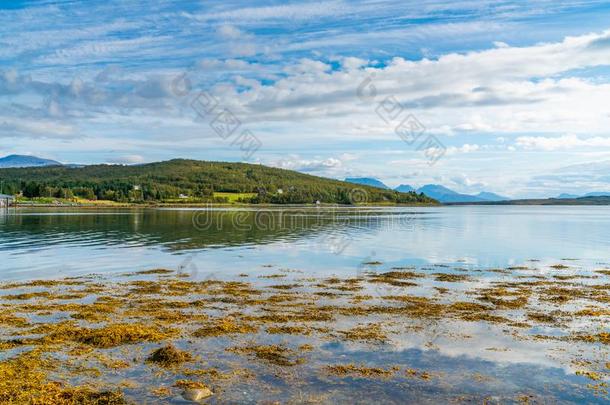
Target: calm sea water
40, 243
43, 243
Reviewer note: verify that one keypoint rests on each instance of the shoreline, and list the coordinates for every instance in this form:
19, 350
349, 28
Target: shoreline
134, 206
214, 205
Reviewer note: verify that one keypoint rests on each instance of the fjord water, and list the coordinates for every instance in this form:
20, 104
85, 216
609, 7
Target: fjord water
54, 242
470, 359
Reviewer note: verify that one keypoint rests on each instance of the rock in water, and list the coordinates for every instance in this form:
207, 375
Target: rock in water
196, 394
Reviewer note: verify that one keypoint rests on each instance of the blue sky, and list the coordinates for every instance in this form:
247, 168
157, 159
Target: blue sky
517, 92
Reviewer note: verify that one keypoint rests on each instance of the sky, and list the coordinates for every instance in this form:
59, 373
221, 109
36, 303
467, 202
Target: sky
510, 97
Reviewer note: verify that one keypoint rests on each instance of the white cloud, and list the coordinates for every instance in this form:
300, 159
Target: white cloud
126, 159
594, 168
230, 65
289, 12
243, 49
351, 63
229, 32
465, 182
576, 179
561, 142
489, 91
11, 127
466, 148
308, 67
236, 41
294, 162
500, 90
102, 51
500, 44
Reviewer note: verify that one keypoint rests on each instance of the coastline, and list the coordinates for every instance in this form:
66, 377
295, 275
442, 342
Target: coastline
214, 205
532, 203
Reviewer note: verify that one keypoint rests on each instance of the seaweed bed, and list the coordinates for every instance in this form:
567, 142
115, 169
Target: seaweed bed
158, 336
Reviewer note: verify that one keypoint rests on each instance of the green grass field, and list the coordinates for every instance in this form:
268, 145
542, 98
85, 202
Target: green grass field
233, 197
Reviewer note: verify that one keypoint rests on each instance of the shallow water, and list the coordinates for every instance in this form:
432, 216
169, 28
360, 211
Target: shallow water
471, 360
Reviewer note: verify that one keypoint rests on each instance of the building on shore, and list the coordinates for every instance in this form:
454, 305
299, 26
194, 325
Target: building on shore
6, 200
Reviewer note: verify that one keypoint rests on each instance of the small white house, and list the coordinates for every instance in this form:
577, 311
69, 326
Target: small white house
6, 200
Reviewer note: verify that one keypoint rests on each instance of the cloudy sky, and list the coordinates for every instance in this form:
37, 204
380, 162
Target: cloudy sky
515, 94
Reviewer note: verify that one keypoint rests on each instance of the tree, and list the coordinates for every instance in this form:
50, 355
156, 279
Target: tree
32, 190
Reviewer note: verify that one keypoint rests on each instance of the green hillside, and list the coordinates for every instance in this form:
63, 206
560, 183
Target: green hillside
200, 180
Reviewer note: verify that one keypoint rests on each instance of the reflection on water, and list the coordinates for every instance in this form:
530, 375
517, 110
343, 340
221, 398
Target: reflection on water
555, 254
185, 229
37, 241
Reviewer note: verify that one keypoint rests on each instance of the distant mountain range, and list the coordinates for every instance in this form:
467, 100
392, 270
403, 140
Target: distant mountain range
601, 200
565, 196
367, 181
445, 195
404, 188
26, 161
487, 196
438, 192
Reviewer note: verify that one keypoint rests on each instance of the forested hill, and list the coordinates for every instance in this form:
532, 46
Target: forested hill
156, 182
